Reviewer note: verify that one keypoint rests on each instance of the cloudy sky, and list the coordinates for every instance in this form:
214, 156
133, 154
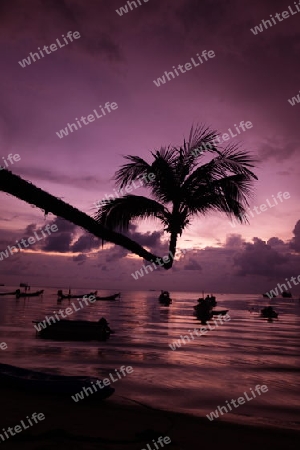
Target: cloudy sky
116, 59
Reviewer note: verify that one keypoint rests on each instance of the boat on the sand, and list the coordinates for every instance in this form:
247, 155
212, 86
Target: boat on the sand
29, 294
74, 330
30, 380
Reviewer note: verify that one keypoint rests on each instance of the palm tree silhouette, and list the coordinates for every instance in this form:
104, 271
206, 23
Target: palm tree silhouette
183, 188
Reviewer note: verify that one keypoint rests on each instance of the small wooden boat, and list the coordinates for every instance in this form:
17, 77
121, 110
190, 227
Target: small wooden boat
28, 294
203, 316
286, 294
203, 310
110, 297
75, 330
31, 380
269, 313
8, 293
63, 296
164, 298
210, 300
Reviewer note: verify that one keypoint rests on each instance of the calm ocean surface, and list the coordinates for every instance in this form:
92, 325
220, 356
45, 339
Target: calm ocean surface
196, 378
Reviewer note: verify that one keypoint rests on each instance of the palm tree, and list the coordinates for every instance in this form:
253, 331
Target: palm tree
183, 188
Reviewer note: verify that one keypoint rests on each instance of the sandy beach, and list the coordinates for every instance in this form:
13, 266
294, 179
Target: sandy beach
119, 423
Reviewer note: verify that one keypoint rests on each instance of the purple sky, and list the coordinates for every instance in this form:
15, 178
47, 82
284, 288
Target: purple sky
116, 59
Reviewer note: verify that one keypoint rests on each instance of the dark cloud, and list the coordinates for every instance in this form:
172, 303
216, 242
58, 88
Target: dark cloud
116, 253
259, 258
295, 242
275, 242
58, 243
81, 258
85, 243
150, 239
61, 240
234, 241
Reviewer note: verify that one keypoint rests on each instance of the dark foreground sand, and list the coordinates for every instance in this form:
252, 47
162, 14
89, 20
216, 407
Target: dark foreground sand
120, 424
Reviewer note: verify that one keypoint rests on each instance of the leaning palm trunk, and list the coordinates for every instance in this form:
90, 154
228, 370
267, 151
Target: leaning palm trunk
24, 190
172, 246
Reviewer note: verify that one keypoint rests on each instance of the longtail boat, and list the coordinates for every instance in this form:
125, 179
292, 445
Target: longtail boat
63, 296
110, 297
8, 293
28, 294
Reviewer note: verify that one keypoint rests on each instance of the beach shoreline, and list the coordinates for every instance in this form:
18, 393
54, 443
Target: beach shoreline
120, 422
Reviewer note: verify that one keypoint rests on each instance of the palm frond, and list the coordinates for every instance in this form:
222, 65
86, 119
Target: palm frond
235, 160
229, 195
118, 213
200, 137
201, 140
132, 171
165, 187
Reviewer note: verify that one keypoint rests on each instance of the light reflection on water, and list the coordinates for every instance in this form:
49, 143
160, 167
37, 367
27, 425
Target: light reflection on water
196, 378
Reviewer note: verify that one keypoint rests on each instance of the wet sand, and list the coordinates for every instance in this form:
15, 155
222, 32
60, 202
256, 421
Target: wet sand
119, 423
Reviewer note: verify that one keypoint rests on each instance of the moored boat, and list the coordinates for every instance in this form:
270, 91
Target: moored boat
29, 294
204, 309
203, 316
74, 330
31, 380
269, 313
8, 293
210, 299
164, 298
110, 297
62, 296
286, 294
